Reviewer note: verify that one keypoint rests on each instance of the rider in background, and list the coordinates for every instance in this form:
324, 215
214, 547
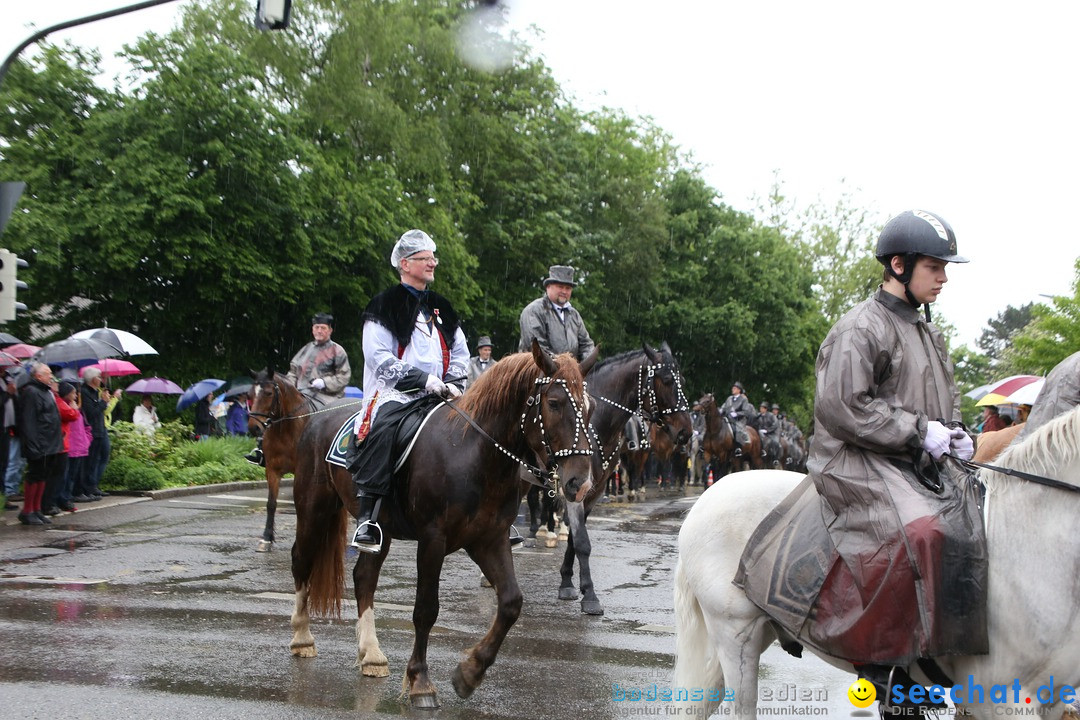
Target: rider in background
553, 321
738, 408
413, 348
320, 371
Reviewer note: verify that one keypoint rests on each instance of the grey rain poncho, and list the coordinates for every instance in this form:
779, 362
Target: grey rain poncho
863, 561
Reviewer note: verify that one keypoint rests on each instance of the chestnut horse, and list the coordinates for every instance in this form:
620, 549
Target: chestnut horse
458, 489
279, 412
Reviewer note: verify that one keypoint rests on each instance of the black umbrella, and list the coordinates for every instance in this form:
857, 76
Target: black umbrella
76, 349
8, 339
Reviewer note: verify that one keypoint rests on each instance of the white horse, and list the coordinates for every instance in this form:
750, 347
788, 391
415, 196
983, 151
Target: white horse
1034, 582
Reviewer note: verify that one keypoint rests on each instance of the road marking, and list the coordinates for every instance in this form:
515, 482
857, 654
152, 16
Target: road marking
657, 628
247, 499
39, 580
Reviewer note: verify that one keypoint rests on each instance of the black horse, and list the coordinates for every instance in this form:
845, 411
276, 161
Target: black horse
640, 383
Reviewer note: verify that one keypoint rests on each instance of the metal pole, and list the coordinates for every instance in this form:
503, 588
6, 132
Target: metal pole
72, 23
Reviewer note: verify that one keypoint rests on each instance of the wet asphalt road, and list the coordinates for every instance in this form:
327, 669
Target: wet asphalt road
161, 608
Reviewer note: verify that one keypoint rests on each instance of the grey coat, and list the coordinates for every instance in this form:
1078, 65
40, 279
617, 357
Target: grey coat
540, 320
1061, 393
862, 560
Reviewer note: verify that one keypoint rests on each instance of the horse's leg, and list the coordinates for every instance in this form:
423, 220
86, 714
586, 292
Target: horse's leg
369, 656
579, 537
567, 591
303, 642
273, 483
495, 560
430, 554
548, 520
533, 499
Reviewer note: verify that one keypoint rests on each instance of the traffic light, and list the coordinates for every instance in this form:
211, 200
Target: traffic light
9, 284
272, 14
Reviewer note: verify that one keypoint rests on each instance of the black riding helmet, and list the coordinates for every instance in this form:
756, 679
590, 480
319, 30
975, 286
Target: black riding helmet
913, 233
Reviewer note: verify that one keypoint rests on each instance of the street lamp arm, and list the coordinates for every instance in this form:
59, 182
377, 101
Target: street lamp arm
72, 23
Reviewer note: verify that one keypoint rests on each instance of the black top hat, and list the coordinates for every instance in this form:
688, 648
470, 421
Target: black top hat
560, 274
322, 319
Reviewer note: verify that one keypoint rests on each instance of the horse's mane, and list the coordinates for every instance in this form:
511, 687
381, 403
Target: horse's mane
633, 355
501, 391
1046, 450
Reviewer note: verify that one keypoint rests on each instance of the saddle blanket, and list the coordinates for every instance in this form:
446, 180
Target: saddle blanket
336, 454
406, 438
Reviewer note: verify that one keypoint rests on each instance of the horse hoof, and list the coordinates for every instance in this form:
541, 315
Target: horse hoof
564, 534
304, 651
530, 542
551, 541
264, 546
463, 689
426, 701
377, 670
484, 582
591, 607
568, 593
540, 534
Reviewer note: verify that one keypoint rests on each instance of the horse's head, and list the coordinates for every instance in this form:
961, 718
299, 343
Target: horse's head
272, 397
558, 431
663, 400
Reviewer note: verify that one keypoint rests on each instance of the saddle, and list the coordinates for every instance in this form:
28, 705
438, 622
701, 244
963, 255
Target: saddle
406, 421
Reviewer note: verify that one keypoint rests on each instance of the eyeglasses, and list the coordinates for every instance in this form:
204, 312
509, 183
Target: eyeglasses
430, 259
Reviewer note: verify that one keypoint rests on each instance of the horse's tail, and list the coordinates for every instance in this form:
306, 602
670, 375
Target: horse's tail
326, 584
696, 664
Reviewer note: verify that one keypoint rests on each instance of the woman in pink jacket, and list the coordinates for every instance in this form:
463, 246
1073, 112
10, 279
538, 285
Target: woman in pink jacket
77, 437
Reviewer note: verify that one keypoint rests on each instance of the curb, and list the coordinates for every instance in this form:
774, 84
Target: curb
203, 489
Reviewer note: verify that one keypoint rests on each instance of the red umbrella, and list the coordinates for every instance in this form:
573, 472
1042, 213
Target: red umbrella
113, 367
997, 393
21, 350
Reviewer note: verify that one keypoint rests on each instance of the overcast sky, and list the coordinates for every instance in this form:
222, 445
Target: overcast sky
966, 109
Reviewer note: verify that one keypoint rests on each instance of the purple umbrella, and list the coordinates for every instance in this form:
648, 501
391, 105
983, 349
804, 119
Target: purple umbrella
155, 385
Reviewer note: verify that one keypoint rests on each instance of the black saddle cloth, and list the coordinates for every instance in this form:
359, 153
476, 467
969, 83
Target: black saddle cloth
372, 462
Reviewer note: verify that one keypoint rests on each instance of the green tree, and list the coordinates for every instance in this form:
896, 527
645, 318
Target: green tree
1052, 335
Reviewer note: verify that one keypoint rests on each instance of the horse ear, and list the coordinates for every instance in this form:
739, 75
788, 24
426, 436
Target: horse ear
543, 361
654, 357
587, 363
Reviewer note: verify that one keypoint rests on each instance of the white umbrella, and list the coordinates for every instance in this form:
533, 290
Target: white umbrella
130, 343
1027, 394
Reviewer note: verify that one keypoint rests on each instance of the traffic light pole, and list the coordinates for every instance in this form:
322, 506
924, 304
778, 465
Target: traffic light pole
72, 23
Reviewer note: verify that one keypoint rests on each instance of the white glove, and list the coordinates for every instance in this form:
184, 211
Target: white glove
318, 383
454, 390
961, 444
733, 414
937, 439
435, 385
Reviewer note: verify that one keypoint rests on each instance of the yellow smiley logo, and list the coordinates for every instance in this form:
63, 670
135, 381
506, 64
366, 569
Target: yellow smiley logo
862, 693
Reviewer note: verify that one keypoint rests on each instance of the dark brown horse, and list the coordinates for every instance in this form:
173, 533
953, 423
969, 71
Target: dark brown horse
459, 489
644, 383
279, 413
722, 453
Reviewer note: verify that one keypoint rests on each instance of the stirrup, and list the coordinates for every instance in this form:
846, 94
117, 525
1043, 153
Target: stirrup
515, 537
369, 547
256, 457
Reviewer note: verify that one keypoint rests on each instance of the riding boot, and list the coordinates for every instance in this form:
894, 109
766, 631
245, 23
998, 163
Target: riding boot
890, 680
368, 537
256, 457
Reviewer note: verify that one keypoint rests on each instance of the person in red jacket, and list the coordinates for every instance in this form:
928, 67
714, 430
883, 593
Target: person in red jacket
56, 498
